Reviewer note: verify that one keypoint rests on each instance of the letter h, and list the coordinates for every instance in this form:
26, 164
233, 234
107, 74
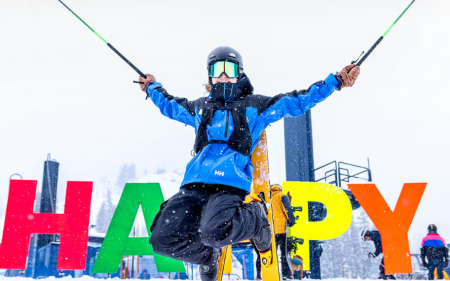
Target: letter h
21, 222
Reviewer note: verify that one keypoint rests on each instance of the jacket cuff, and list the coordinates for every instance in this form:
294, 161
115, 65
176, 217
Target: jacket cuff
152, 87
332, 81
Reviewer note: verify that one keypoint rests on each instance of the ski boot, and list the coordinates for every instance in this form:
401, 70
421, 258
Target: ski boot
209, 270
263, 239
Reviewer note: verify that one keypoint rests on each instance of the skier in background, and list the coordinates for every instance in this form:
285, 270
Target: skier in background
283, 215
297, 267
208, 212
436, 251
375, 236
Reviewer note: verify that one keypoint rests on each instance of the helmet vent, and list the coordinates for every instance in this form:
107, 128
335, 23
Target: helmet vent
232, 55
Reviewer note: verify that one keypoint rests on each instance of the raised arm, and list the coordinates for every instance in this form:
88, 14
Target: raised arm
296, 103
179, 109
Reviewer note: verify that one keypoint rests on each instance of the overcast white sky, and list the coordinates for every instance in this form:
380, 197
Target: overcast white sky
65, 92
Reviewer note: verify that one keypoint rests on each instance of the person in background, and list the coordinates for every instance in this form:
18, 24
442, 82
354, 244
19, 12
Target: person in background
435, 250
297, 267
283, 215
375, 236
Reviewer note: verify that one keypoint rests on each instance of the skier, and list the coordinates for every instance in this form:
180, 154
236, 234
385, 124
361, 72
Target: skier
436, 251
283, 214
375, 236
208, 212
297, 267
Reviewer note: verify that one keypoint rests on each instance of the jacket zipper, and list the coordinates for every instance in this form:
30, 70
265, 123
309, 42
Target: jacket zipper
226, 126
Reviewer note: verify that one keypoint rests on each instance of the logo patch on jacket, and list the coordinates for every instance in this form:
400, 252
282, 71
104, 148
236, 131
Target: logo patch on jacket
220, 173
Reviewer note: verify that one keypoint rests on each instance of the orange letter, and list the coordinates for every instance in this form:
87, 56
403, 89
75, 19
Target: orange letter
393, 226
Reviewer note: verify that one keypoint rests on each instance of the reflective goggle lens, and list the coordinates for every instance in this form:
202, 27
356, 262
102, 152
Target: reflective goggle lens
230, 69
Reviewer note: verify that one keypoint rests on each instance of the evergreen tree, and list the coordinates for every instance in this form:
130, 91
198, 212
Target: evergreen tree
346, 256
105, 214
126, 174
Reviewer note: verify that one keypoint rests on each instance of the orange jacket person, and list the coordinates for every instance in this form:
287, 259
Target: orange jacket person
283, 215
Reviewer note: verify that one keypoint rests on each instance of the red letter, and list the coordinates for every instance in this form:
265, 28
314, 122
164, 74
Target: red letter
393, 226
21, 221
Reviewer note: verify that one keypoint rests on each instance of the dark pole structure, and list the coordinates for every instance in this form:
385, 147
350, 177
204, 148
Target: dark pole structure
48, 196
300, 167
299, 148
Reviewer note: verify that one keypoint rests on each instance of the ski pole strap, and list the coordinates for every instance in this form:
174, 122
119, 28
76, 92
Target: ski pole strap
370, 51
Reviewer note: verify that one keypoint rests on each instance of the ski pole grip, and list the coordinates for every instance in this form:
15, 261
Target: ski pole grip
127, 61
370, 51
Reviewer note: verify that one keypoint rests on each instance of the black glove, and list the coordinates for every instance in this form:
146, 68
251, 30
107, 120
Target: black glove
446, 262
424, 263
291, 224
371, 255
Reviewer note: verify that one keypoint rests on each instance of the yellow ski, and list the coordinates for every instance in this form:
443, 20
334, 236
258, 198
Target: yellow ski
260, 161
269, 259
226, 251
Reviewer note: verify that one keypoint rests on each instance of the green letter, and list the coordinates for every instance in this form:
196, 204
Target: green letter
117, 243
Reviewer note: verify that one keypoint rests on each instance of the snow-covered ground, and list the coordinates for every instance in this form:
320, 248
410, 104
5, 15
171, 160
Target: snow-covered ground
88, 278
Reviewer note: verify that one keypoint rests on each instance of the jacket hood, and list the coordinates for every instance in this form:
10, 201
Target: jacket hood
275, 187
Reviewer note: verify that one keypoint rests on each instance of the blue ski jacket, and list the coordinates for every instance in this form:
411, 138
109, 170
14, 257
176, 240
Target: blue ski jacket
217, 163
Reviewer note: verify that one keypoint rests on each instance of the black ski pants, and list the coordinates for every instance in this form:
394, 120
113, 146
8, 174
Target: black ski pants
383, 272
281, 242
436, 264
201, 217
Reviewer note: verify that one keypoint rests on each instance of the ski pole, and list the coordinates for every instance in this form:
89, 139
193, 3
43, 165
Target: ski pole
109, 45
379, 39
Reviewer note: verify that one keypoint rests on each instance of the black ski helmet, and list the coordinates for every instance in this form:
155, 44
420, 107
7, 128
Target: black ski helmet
225, 54
432, 228
365, 233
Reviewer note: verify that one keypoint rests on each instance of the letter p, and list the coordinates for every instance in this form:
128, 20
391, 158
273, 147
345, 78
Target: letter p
336, 223
21, 222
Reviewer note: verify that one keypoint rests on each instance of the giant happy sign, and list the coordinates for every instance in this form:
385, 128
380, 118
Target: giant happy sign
21, 222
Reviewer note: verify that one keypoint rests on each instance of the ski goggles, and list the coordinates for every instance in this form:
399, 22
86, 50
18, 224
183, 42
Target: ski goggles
231, 69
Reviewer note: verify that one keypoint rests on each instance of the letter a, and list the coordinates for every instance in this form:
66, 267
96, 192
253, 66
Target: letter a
117, 243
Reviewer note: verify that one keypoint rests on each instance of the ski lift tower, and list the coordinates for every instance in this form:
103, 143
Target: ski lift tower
300, 167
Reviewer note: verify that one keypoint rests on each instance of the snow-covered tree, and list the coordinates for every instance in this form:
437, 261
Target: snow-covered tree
126, 174
105, 214
347, 255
